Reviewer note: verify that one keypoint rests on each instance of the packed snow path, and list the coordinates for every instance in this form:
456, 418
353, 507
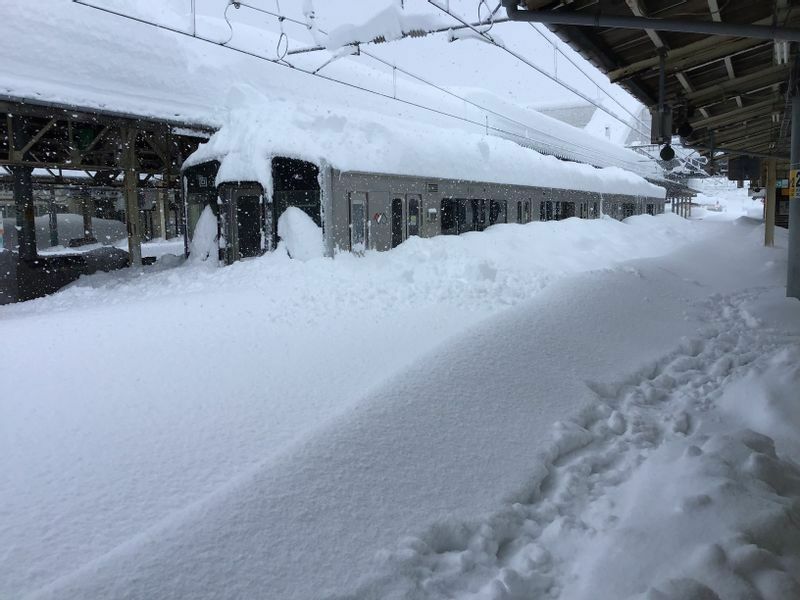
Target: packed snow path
208, 490
640, 493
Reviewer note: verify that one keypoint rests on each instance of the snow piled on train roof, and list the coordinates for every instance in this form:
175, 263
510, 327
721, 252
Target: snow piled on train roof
257, 128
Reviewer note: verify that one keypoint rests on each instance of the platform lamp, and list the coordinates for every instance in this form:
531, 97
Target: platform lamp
661, 128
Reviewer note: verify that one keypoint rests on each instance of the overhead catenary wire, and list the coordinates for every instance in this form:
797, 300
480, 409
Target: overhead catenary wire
585, 74
570, 153
535, 67
394, 67
463, 25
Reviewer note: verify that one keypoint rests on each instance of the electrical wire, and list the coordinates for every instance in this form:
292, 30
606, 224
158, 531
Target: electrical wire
484, 33
433, 85
585, 74
569, 153
536, 68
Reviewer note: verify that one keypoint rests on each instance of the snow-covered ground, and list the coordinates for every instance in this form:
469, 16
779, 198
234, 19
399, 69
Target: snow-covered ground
721, 200
582, 409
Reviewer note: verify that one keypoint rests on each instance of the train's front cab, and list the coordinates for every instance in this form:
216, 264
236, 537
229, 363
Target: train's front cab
245, 215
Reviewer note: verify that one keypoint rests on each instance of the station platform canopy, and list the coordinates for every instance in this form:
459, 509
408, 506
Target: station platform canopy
727, 63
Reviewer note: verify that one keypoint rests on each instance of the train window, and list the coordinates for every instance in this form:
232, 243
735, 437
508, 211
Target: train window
628, 209
449, 216
497, 212
549, 210
413, 215
467, 215
397, 222
358, 221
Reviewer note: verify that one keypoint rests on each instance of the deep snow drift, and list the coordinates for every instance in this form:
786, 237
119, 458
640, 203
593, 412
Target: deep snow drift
474, 416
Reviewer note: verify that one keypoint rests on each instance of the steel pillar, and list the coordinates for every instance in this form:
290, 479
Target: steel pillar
87, 209
769, 207
23, 195
130, 183
53, 212
162, 204
26, 224
793, 270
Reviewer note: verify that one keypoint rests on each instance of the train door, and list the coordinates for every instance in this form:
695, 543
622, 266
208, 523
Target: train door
397, 222
242, 221
359, 222
249, 224
413, 219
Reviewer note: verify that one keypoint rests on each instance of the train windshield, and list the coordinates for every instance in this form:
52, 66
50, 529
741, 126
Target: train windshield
296, 183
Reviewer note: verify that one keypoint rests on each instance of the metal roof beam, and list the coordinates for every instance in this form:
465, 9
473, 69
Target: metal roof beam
578, 19
636, 9
752, 140
761, 122
716, 15
750, 137
694, 54
742, 85
740, 113
737, 152
754, 149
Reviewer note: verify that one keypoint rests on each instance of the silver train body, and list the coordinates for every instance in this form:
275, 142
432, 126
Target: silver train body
376, 211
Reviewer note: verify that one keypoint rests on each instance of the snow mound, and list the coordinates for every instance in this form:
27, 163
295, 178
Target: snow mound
204, 242
303, 238
766, 400
369, 399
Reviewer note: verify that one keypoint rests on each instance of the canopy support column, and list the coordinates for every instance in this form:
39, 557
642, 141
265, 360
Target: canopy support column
130, 183
793, 270
769, 217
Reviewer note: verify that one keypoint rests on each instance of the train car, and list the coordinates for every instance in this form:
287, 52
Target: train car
374, 201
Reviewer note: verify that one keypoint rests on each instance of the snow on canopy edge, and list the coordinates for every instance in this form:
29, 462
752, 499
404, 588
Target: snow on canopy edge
257, 129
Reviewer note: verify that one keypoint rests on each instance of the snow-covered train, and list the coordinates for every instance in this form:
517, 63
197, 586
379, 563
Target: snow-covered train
370, 187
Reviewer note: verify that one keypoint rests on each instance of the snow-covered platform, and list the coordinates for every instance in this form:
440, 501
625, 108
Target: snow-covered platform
521, 412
